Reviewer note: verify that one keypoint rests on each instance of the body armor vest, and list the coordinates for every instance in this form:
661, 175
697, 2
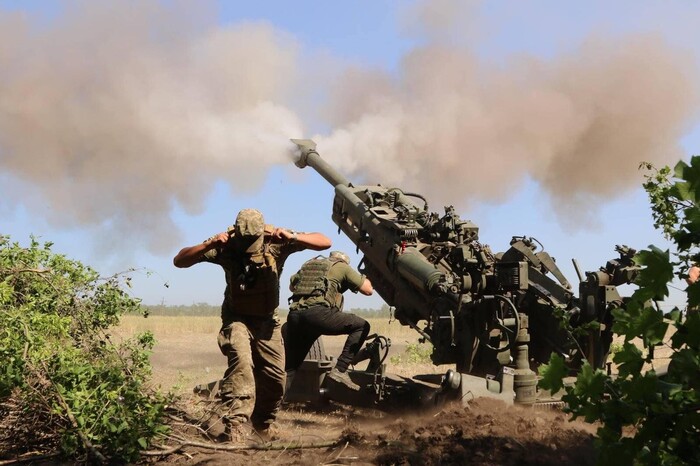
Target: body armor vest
312, 280
254, 281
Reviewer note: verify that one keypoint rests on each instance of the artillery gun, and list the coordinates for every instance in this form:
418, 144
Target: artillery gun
496, 316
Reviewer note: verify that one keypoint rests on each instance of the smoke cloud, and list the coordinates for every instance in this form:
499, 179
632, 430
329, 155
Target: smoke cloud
114, 113
117, 111
462, 131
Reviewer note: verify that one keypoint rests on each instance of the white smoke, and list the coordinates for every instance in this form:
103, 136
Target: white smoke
113, 113
111, 119
455, 128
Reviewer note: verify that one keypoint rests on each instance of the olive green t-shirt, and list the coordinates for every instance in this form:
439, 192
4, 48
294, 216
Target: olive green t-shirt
341, 277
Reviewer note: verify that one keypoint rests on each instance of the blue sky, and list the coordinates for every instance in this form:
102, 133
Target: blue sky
122, 214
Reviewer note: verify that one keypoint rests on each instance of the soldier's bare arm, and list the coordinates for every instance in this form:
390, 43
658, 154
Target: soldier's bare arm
366, 288
315, 241
190, 255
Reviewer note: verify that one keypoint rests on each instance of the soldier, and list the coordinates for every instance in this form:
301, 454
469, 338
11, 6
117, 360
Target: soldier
316, 309
252, 255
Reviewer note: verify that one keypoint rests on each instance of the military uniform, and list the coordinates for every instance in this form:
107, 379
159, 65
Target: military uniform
250, 336
316, 310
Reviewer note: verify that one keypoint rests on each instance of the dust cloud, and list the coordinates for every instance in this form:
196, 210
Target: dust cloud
113, 114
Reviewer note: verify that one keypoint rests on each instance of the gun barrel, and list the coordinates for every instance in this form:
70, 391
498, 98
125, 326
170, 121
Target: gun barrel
310, 157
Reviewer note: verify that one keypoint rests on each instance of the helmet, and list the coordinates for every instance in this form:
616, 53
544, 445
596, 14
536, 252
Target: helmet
339, 256
250, 226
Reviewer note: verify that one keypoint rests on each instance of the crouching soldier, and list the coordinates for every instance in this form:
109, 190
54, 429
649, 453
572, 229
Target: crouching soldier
317, 309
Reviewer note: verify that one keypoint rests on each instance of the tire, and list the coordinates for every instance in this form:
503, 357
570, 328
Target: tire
317, 352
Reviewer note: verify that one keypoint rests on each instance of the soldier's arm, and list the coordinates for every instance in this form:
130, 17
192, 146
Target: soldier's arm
366, 287
190, 255
315, 241
355, 281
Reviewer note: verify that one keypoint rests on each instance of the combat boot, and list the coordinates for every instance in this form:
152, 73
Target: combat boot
237, 431
220, 426
342, 378
214, 424
267, 432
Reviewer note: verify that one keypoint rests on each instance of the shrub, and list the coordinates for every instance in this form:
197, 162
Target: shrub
63, 382
415, 353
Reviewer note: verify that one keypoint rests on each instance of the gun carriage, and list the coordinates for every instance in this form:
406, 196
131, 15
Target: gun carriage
496, 316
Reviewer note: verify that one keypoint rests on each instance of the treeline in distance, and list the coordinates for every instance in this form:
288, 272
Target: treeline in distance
208, 310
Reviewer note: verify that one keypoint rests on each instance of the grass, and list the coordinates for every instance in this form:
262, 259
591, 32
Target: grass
162, 326
187, 354
165, 326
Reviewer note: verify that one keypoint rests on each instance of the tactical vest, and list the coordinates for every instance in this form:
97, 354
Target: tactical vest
253, 281
312, 281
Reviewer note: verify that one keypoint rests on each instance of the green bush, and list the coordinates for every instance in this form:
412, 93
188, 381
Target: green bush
415, 353
650, 417
59, 363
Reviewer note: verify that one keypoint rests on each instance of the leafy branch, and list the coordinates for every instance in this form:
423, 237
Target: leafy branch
649, 416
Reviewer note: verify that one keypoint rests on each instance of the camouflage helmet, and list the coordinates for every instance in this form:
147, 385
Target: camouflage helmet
249, 227
339, 256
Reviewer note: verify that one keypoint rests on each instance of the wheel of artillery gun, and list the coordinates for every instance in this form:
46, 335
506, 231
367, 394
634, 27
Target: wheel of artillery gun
317, 351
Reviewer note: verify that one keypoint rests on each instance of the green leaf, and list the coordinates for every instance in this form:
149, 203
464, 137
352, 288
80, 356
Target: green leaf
652, 327
590, 383
693, 292
654, 277
688, 333
552, 374
142, 441
685, 368
679, 169
6, 293
629, 360
691, 174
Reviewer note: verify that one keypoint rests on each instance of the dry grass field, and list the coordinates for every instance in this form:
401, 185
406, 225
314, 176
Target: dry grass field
186, 353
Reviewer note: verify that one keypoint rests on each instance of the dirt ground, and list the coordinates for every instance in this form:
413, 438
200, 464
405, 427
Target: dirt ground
485, 432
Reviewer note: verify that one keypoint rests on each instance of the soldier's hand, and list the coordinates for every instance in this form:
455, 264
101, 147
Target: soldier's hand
283, 235
218, 239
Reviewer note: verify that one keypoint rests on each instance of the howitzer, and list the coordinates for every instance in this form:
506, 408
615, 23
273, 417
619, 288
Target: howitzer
494, 315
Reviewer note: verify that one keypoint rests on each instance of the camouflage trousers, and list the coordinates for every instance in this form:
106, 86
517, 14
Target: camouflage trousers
253, 384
